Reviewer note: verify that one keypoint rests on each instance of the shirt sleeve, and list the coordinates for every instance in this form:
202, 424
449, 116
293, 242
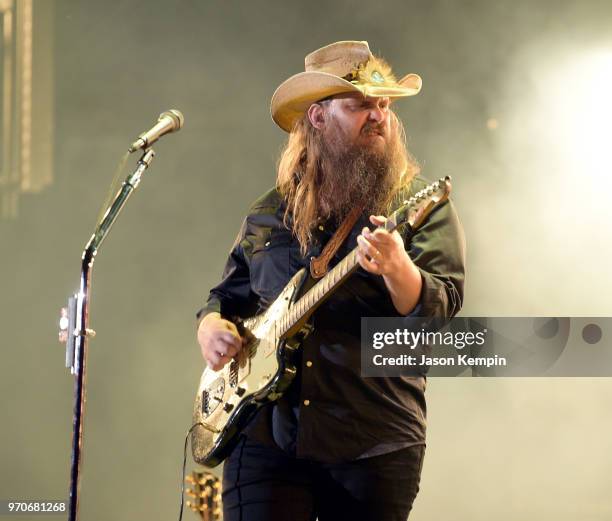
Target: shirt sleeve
438, 250
233, 296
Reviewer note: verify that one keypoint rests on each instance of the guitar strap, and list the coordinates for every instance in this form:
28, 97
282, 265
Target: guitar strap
319, 265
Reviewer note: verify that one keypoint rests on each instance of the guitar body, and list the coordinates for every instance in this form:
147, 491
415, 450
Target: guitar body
228, 399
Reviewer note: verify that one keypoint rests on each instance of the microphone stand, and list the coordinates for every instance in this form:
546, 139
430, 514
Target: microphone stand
75, 320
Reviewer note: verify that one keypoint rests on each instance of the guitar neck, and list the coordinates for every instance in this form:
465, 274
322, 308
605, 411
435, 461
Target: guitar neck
301, 311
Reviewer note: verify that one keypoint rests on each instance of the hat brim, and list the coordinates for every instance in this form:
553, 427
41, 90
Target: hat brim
294, 96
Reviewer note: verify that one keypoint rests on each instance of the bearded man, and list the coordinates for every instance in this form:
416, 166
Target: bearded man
336, 445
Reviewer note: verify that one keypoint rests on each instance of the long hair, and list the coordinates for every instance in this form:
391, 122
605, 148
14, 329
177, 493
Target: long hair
300, 174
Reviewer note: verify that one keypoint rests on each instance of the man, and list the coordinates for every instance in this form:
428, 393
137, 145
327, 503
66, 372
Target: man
336, 445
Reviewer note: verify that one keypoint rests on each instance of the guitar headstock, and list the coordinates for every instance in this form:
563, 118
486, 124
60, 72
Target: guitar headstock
205, 489
416, 209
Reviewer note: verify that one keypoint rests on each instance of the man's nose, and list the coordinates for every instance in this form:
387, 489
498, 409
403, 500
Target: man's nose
376, 114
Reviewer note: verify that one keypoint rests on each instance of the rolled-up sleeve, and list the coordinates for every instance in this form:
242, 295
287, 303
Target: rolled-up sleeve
438, 250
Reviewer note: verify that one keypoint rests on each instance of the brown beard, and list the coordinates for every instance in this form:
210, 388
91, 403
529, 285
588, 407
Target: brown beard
354, 175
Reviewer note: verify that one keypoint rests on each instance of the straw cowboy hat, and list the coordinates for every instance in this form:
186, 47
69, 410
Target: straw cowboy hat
335, 69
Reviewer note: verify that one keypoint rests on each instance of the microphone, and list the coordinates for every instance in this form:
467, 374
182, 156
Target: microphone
169, 121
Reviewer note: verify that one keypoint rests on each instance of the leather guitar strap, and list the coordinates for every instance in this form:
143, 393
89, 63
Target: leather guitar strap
319, 265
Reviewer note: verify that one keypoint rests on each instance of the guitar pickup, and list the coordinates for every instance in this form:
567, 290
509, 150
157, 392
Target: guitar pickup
233, 373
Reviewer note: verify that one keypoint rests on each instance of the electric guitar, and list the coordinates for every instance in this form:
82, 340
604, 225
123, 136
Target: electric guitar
228, 399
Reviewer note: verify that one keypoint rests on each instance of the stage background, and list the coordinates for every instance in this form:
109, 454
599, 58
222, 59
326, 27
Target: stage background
498, 80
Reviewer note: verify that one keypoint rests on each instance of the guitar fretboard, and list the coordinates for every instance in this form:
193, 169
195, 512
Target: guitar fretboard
315, 295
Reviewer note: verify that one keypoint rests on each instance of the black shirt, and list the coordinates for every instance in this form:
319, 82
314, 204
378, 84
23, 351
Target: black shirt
331, 413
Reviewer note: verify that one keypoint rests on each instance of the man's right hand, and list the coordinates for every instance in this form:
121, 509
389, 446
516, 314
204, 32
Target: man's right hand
219, 340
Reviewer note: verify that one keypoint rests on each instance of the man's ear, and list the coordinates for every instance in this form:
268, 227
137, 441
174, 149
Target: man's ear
316, 115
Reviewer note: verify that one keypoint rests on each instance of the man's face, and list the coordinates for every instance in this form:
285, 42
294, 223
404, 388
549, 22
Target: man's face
361, 122
362, 155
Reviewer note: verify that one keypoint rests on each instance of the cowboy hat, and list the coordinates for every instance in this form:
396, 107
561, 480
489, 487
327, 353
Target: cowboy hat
340, 67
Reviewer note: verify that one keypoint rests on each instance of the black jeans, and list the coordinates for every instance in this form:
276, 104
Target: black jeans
264, 484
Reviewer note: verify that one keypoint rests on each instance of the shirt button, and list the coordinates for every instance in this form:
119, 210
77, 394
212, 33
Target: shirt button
306, 403
309, 364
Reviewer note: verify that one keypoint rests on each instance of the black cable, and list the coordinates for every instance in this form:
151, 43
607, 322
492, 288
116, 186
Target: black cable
184, 467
